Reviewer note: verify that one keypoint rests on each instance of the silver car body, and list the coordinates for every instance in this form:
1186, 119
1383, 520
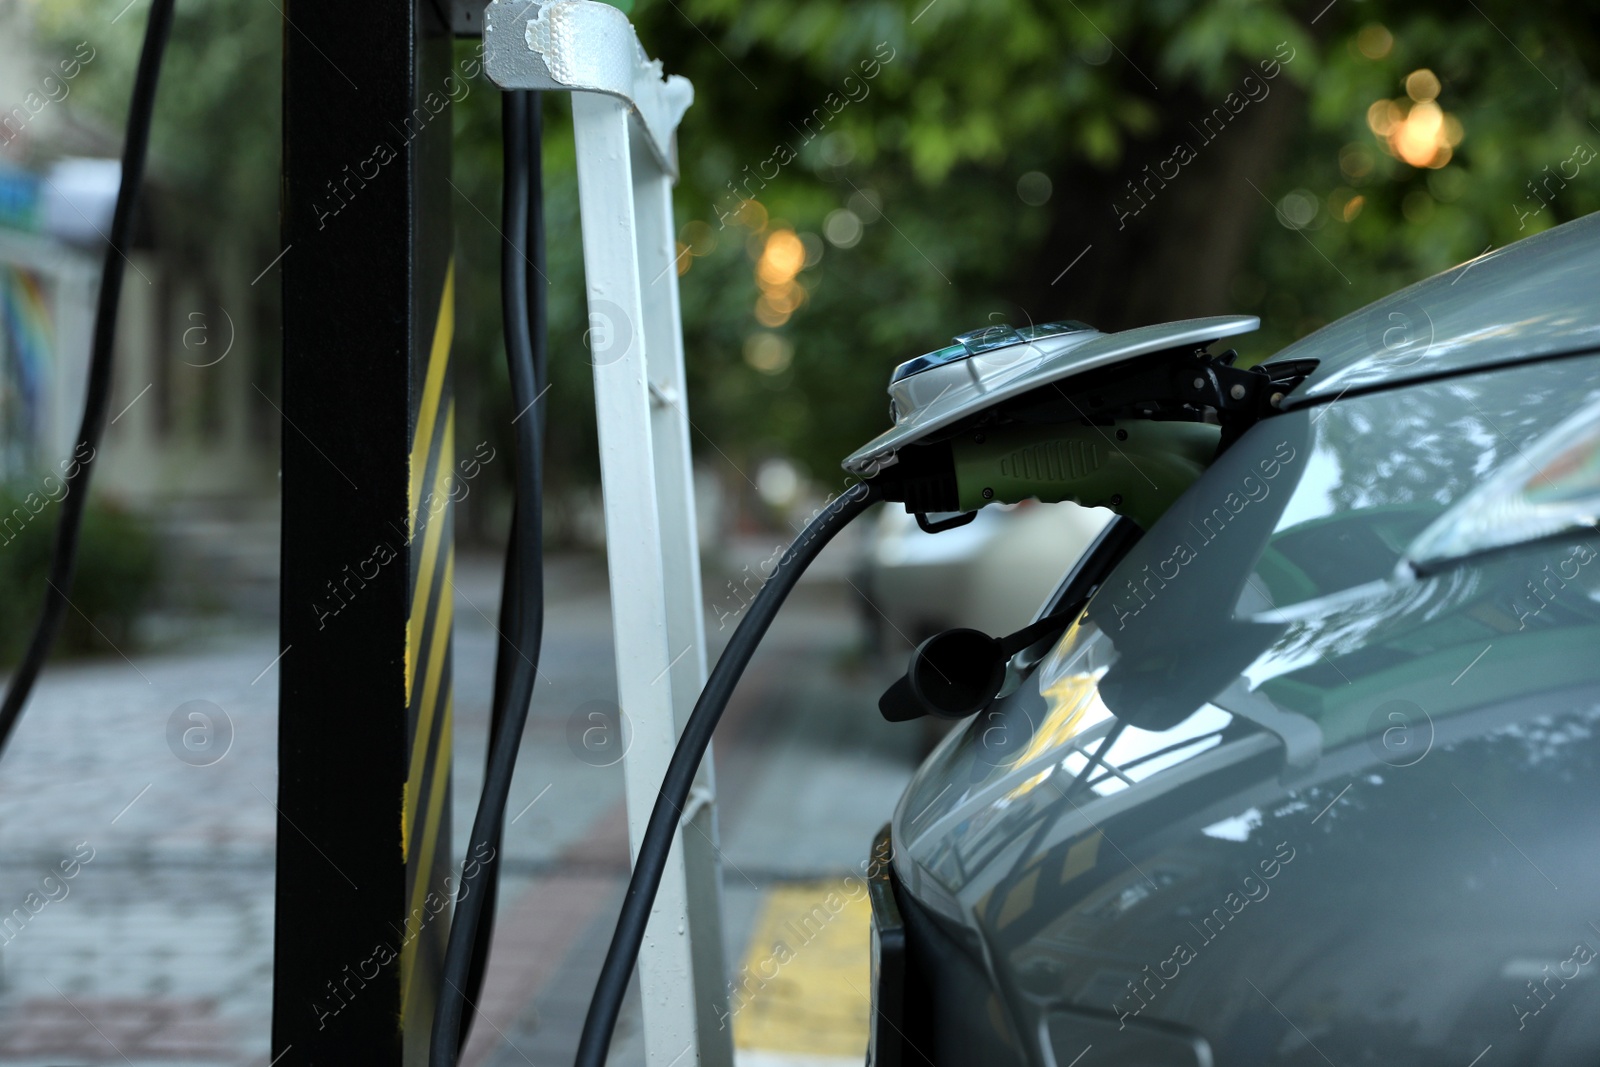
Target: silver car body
1404, 754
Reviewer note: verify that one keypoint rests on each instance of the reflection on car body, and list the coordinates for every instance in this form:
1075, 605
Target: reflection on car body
1262, 683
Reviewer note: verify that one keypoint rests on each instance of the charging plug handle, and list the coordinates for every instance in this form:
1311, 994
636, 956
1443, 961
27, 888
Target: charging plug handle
957, 673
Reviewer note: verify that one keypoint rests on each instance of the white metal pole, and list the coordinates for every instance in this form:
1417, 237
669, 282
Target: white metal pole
625, 116
641, 622
686, 638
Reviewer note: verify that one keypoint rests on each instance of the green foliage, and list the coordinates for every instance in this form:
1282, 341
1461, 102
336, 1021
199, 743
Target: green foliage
977, 93
214, 141
116, 575
981, 92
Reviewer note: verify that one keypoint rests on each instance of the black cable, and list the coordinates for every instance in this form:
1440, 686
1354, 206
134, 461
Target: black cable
1157, 754
97, 394
506, 657
536, 282
443, 16
1098, 759
674, 794
522, 598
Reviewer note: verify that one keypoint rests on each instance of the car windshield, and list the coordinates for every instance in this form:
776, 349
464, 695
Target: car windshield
1272, 585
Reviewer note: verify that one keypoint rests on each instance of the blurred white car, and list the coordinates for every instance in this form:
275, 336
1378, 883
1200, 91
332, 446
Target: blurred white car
986, 575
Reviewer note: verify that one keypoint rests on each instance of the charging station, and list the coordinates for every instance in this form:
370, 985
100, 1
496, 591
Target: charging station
625, 117
382, 923
365, 734
363, 842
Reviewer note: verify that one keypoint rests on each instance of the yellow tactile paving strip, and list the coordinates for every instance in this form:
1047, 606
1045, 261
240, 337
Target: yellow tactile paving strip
807, 975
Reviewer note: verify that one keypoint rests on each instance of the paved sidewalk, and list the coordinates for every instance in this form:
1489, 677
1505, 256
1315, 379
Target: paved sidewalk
157, 948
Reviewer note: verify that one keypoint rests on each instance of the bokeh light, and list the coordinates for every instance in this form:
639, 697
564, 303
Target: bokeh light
778, 482
842, 228
768, 352
1422, 85
1355, 160
1414, 128
783, 256
700, 238
1297, 209
1034, 188
1345, 204
1374, 40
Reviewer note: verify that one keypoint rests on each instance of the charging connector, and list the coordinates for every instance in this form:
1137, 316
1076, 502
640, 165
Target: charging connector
1134, 467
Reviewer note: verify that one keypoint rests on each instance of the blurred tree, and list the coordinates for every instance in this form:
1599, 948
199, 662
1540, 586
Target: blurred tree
215, 137
211, 197
116, 582
1144, 146
942, 164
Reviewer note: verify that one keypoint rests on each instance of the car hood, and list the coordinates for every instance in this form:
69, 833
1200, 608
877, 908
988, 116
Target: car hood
1293, 693
1530, 299
1263, 617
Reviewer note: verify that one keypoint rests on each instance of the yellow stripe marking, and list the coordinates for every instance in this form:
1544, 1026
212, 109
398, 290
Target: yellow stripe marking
793, 994
1019, 899
433, 386
1081, 858
432, 537
430, 693
430, 836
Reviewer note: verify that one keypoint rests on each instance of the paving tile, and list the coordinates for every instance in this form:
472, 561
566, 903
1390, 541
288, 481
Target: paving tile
163, 938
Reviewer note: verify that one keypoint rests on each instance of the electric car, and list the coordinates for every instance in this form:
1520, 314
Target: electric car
1300, 767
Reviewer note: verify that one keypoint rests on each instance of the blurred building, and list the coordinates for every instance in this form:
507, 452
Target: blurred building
192, 438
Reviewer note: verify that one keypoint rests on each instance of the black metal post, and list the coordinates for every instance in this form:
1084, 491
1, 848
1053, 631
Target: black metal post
363, 854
